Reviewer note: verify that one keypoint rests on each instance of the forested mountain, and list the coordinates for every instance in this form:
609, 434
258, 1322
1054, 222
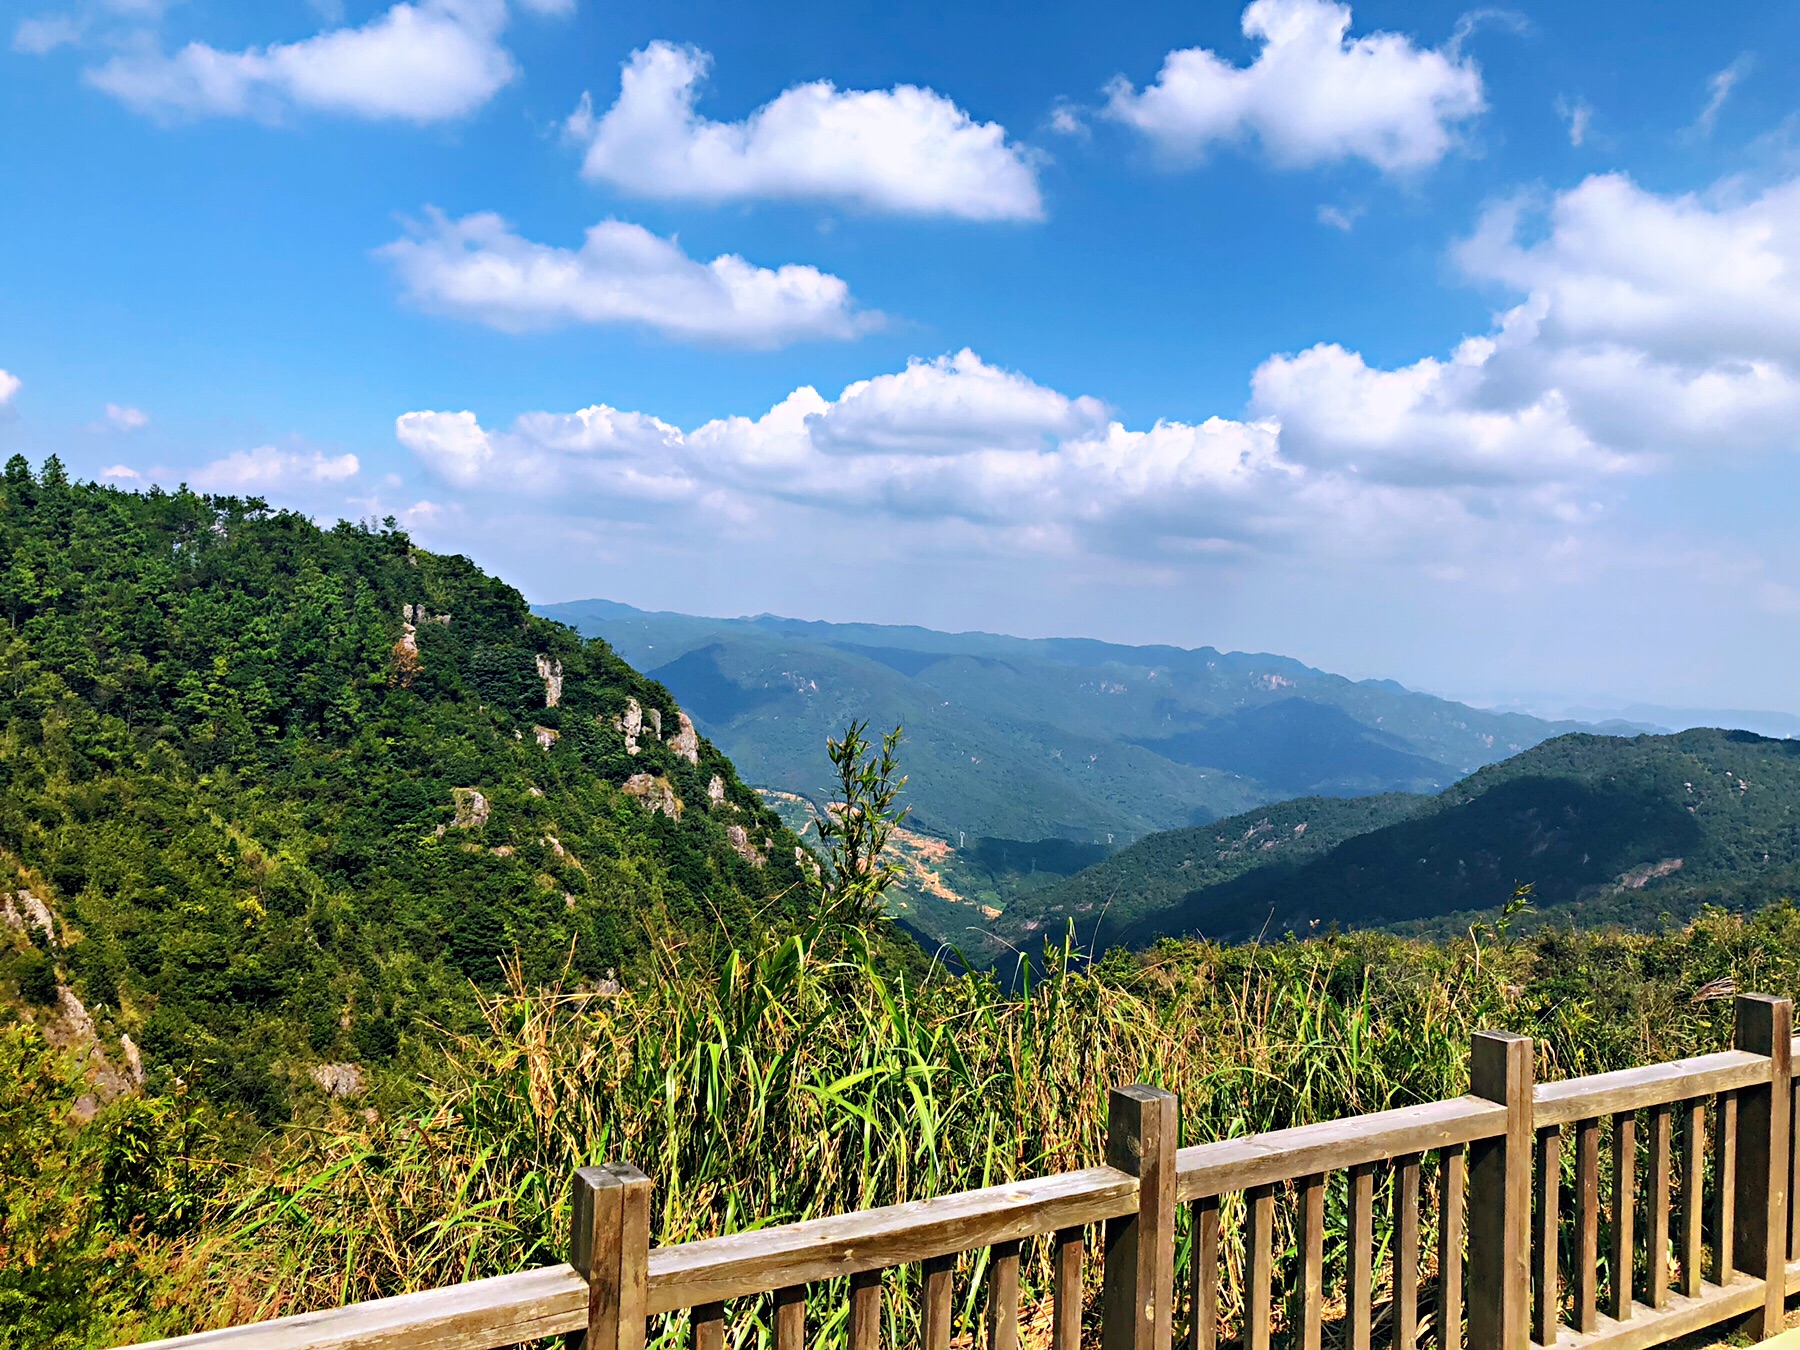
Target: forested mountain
1019, 740
271, 794
1603, 829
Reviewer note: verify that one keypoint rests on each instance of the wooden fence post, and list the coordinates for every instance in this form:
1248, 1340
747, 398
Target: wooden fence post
1499, 1285
1139, 1289
609, 1246
1765, 1026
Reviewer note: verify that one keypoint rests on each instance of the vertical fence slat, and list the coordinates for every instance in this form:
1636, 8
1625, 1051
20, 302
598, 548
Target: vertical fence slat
1793, 1242
634, 1257
1587, 1225
1259, 1259
1500, 1069
1452, 1182
1138, 1313
1693, 1176
1725, 1185
1660, 1117
1764, 1027
1311, 1291
1065, 1324
1359, 1268
1624, 1212
1203, 1275
1406, 1253
709, 1326
790, 1318
1548, 1196
1003, 1298
935, 1310
597, 1201
865, 1310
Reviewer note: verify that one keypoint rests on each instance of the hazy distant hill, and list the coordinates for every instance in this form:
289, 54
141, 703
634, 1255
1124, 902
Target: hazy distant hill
1016, 739
1606, 830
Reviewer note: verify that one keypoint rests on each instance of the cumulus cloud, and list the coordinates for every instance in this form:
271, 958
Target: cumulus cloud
423, 62
267, 468
1718, 89
9, 386
960, 439
124, 418
44, 34
906, 150
476, 268
1312, 95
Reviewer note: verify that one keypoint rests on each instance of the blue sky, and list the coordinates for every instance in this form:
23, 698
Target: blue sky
1457, 346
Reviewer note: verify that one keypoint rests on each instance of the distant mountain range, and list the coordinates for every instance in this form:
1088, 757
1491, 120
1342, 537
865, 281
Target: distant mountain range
1604, 829
1019, 740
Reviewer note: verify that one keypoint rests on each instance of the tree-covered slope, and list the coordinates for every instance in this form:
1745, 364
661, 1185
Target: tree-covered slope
285, 790
1023, 739
1603, 829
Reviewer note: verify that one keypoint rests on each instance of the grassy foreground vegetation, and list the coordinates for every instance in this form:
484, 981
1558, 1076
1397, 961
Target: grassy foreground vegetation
800, 1078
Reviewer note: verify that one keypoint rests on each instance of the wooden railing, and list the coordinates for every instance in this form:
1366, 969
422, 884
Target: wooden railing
1495, 1157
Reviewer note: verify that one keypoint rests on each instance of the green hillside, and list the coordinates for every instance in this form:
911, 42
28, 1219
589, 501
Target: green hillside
271, 794
1021, 740
1605, 830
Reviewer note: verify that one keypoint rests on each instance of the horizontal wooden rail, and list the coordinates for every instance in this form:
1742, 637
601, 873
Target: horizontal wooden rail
1605, 1094
759, 1259
1283, 1155
1679, 1317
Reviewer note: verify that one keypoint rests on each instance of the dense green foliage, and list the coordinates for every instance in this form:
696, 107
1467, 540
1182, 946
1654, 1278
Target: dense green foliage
804, 1078
1605, 830
247, 786
1030, 739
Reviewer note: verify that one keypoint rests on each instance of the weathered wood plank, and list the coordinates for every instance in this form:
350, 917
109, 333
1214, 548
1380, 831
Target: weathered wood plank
1359, 1259
1682, 1317
1259, 1262
596, 1202
1725, 1186
1693, 1176
1138, 1296
634, 1258
1500, 1070
1607, 1094
1203, 1275
1066, 1253
1003, 1298
1333, 1146
1660, 1158
865, 1310
1406, 1253
1452, 1185
1765, 1027
709, 1326
1311, 1289
790, 1318
1624, 1213
716, 1269
935, 1309
1547, 1324
1587, 1226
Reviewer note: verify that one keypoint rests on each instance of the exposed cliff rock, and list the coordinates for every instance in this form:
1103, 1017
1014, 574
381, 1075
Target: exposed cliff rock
546, 736
686, 741
339, 1080
472, 808
550, 671
630, 724
715, 791
654, 794
739, 839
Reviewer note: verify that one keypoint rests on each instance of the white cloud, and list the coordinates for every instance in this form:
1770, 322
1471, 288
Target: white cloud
1718, 89
127, 418
269, 469
44, 34
1339, 218
1580, 118
906, 150
423, 62
476, 268
1311, 96
9, 386
120, 473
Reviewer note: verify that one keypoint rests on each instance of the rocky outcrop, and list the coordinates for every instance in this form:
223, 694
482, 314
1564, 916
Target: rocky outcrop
472, 808
715, 791
739, 839
29, 912
546, 736
418, 614
630, 725
654, 794
339, 1080
686, 741
654, 717
550, 671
